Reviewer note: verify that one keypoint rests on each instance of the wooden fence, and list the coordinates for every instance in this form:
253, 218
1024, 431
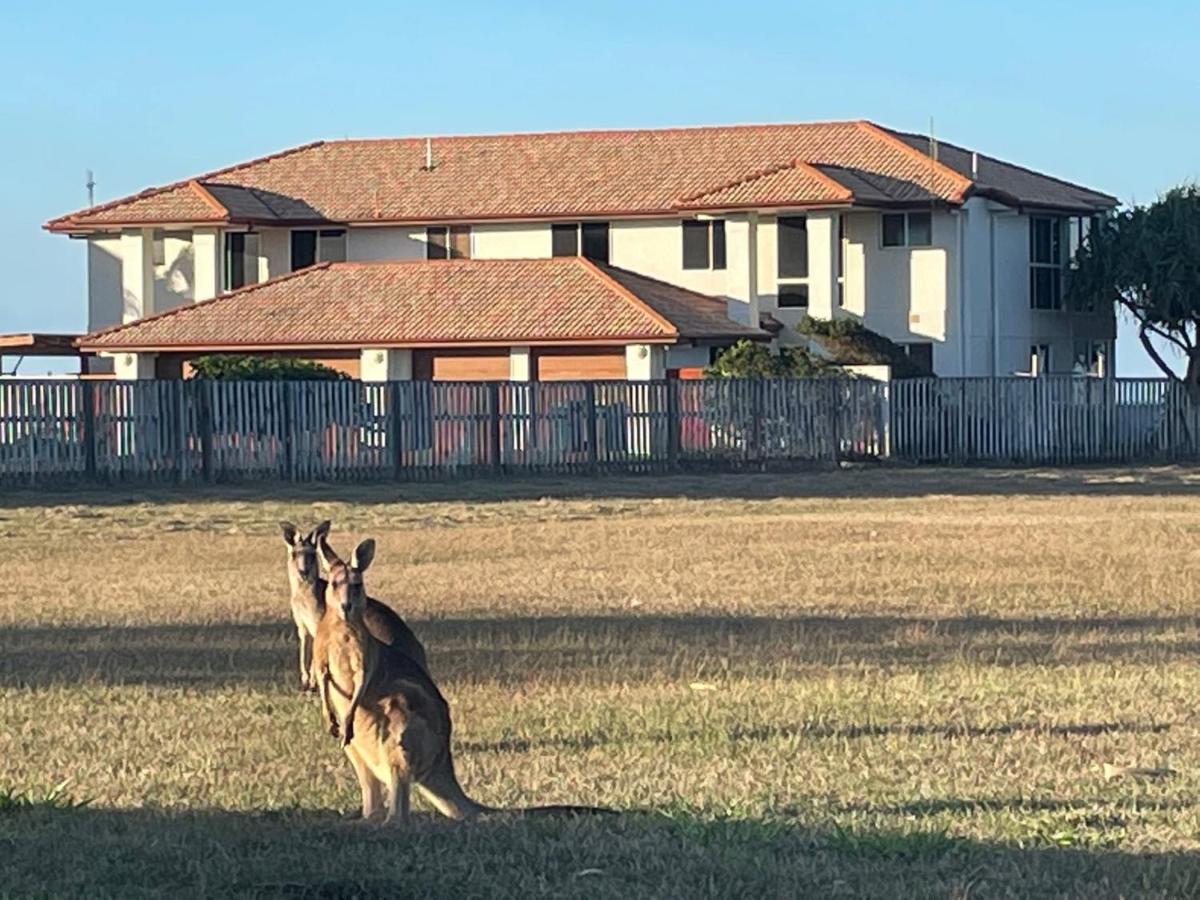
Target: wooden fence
1059, 420
186, 431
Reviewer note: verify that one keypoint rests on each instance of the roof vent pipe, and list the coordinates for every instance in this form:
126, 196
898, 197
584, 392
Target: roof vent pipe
428, 154
975, 165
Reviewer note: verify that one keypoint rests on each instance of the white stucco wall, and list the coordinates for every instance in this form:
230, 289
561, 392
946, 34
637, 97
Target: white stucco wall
654, 247
511, 241
274, 253
104, 281
370, 244
174, 279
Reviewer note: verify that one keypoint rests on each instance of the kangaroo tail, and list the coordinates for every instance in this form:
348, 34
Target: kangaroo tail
441, 788
564, 810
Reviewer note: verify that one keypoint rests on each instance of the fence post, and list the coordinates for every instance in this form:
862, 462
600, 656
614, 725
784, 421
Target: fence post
395, 428
835, 425
756, 416
289, 429
674, 424
592, 450
87, 401
494, 426
205, 422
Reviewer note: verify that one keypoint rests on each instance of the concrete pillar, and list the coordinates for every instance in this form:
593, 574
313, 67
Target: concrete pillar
134, 366
645, 362
823, 259
377, 365
520, 364
137, 274
741, 268
206, 258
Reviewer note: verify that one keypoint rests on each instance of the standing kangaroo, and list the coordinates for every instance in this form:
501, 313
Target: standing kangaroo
308, 605
390, 717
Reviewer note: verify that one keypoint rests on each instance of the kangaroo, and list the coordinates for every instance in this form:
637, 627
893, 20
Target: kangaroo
308, 604
386, 711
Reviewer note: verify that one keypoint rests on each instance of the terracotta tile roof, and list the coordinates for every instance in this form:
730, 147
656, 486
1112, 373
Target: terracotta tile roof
429, 303
695, 315
552, 175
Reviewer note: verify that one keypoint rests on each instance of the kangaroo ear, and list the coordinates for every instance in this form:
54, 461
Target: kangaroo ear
328, 558
318, 533
290, 533
363, 554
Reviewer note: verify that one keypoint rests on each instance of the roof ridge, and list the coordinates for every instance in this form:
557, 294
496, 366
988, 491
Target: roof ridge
245, 289
597, 132
887, 136
208, 198
1013, 165
175, 185
740, 180
627, 295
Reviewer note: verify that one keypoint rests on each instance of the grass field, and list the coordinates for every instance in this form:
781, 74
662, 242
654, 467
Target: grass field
892, 683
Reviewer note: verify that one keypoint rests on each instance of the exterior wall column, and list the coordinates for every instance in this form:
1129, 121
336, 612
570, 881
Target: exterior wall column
137, 274
378, 365
823, 259
520, 364
134, 366
206, 260
645, 362
741, 268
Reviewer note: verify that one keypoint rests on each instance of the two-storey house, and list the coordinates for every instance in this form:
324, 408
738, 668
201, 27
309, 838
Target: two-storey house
592, 254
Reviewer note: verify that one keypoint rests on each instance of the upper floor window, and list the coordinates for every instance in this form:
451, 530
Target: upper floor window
912, 229
1045, 262
589, 239
448, 242
241, 259
703, 244
792, 246
310, 246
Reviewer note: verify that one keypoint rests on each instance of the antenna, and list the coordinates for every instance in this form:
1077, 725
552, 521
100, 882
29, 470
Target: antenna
428, 154
91, 188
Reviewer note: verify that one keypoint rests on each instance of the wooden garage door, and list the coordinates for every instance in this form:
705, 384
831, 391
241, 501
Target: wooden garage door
583, 364
460, 365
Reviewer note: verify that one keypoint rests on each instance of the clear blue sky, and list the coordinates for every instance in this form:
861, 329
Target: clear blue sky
145, 93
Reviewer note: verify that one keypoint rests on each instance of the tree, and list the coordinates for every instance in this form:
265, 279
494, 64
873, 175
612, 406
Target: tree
750, 359
1147, 260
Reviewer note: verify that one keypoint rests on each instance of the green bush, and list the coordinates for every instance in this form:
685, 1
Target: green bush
226, 367
849, 343
750, 359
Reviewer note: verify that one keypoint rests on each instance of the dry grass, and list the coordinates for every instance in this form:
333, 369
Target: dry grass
909, 684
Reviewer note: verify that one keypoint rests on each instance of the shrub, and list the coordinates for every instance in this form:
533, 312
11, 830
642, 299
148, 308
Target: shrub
750, 359
226, 367
849, 343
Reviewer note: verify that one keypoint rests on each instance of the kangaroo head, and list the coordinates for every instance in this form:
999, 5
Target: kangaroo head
344, 591
302, 550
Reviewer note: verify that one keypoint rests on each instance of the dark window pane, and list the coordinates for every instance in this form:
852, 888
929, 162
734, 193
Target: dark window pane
1041, 241
435, 242
920, 229
564, 240
921, 353
304, 249
792, 296
793, 247
718, 244
332, 246
595, 241
235, 260
1045, 287
893, 229
695, 245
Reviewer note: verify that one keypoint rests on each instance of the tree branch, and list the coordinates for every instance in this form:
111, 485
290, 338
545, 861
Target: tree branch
1152, 352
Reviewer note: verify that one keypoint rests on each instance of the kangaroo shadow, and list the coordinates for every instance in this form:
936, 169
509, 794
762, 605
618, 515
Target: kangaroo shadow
596, 649
304, 853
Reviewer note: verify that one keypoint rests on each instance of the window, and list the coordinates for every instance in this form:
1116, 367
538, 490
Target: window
592, 237
1039, 359
703, 244
448, 242
564, 240
310, 247
1045, 262
914, 229
792, 240
241, 259
159, 243
1091, 358
921, 353
841, 262
793, 296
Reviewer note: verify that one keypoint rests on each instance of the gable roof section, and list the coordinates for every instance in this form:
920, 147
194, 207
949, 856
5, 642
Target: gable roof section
560, 300
1013, 184
549, 175
693, 315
